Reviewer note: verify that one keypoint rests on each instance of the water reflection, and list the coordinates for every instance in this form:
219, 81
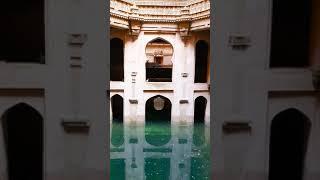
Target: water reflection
160, 151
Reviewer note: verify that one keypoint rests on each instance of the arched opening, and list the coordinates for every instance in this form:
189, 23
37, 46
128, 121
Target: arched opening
200, 105
158, 120
159, 65
288, 145
117, 133
201, 65
22, 31
116, 60
290, 33
23, 132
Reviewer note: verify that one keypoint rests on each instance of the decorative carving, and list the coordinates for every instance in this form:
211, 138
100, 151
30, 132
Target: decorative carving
76, 41
158, 103
133, 101
134, 28
239, 42
184, 101
160, 11
236, 127
75, 125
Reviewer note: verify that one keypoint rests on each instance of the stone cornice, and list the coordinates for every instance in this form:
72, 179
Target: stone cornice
160, 11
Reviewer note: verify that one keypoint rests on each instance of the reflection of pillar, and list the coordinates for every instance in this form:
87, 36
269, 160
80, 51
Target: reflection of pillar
181, 152
134, 152
111, 113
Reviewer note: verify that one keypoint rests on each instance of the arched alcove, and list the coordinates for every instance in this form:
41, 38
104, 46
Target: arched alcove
290, 33
116, 60
22, 31
201, 64
23, 135
200, 105
159, 54
288, 145
158, 120
117, 132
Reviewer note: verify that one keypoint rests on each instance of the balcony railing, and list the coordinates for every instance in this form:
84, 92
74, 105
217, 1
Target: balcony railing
158, 73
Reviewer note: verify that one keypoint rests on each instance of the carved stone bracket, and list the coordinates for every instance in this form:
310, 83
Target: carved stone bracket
134, 28
184, 30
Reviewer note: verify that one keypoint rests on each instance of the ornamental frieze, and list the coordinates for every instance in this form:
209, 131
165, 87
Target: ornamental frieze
160, 10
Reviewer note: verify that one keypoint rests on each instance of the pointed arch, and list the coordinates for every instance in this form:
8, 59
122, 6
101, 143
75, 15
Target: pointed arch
200, 105
158, 120
288, 144
159, 53
117, 108
201, 64
290, 33
116, 59
23, 134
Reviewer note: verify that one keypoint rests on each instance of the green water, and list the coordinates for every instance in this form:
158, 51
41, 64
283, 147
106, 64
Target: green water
159, 151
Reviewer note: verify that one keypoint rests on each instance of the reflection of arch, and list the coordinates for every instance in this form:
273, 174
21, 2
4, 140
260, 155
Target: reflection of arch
201, 64
23, 132
288, 145
158, 126
116, 60
159, 65
117, 133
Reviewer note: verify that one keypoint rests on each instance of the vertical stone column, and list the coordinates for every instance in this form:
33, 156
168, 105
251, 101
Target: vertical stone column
133, 100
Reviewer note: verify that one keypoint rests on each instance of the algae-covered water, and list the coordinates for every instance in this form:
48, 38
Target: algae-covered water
159, 151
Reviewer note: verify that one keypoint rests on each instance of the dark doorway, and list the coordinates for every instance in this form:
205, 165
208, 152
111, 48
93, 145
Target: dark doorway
23, 132
158, 120
117, 108
117, 133
200, 105
201, 66
288, 145
116, 59
22, 31
290, 33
